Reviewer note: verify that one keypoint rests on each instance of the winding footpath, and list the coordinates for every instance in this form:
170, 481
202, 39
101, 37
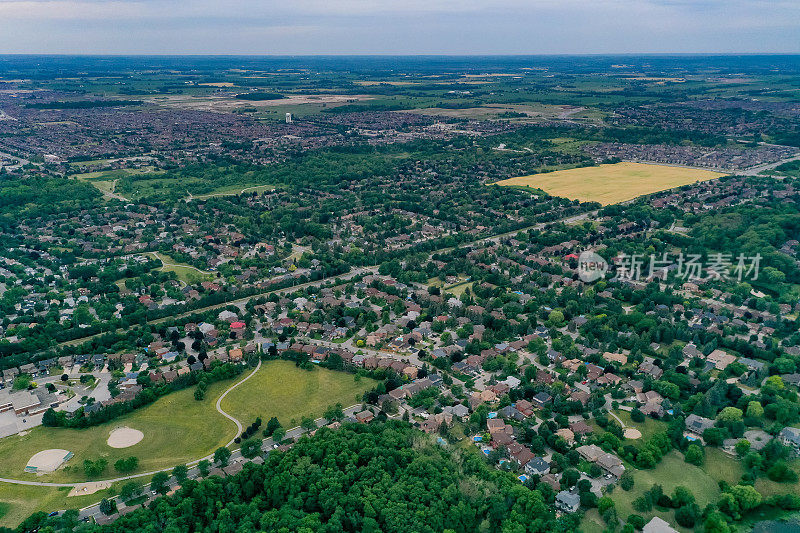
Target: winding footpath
222, 397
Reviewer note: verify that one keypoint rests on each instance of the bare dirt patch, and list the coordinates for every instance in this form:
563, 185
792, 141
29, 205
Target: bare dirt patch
124, 437
85, 489
47, 460
632, 433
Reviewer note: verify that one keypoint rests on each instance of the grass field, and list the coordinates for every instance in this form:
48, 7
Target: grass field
234, 190
289, 393
648, 428
186, 273
456, 289
18, 502
176, 428
671, 472
106, 180
611, 184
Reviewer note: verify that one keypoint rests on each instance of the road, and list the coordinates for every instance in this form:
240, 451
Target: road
240, 302
752, 171
93, 511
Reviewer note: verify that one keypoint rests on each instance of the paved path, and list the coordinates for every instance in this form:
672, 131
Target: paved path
222, 397
167, 264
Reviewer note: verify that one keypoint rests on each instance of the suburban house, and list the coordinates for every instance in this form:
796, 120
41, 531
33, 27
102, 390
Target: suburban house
568, 501
790, 437
537, 466
697, 425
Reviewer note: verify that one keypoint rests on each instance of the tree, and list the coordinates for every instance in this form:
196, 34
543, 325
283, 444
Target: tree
570, 477
555, 319
222, 455
272, 425
251, 448
682, 496
159, 482
278, 435
637, 521
687, 515
180, 472
754, 410
637, 416
334, 412
94, 468
781, 473
742, 447
108, 507
694, 455
130, 491
626, 481
729, 415
603, 504
746, 496
308, 423
715, 523
125, 466
204, 467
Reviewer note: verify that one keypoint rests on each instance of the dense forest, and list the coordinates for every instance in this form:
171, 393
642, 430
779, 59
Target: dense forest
377, 478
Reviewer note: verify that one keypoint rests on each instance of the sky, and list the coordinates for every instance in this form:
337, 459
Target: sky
299, 27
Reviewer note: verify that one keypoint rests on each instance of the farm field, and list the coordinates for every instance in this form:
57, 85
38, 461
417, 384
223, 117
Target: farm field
611, 184
282, 390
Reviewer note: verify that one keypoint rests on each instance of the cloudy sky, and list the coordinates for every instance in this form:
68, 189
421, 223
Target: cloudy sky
398, 26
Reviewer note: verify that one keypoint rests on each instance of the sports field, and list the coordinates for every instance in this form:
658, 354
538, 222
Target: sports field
289, 393
176, 429
611, 184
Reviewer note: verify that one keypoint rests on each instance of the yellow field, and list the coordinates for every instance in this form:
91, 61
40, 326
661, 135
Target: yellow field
612, 184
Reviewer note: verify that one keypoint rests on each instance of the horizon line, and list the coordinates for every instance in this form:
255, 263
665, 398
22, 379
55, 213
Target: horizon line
553, 54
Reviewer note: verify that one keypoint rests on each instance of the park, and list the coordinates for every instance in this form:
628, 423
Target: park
176, 429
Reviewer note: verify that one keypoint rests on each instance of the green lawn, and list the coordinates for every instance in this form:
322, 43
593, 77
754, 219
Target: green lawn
186, 273
20, 501
289, 393
648, 428
176, 428
671, 472
768, 488
722, 466
233, 190
593, 523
